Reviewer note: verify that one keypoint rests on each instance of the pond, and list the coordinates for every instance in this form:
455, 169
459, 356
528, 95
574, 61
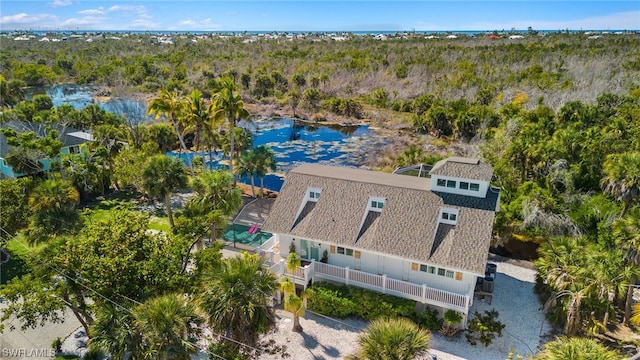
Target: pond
79, 96
293, 141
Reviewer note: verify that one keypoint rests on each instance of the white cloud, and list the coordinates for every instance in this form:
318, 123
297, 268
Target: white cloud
60, 3
193, 24
98, 11
23, 21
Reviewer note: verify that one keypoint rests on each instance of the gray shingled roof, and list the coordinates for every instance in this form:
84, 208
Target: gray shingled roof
406, 227
40, 130
465, 168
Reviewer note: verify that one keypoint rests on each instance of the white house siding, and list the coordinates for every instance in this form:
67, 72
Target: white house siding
481, 193
373, 263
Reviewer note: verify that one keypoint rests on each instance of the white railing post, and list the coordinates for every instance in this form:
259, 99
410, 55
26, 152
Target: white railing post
384, 283
424, 292
305, 273
312, 268
346, 275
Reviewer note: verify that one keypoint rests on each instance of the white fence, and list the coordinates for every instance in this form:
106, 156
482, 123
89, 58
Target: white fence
381, 283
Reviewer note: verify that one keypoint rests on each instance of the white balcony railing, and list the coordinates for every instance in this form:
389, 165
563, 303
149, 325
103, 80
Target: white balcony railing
381, 283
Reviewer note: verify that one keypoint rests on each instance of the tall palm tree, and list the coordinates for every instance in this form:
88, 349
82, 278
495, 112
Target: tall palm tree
114, 332
228, 105
197, 117
247, 166
237, 298
266, 161
575, 348
162, 176
394, 338
215, 188
170, 105
622, 178
170, 327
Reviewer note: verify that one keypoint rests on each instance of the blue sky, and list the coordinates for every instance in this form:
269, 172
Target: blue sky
306, 15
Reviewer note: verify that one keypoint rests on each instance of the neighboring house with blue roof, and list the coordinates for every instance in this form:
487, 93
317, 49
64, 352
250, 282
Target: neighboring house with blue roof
71, 140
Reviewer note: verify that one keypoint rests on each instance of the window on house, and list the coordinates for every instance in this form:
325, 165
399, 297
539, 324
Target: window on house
432, 270
449, 274
423, 268
451, 184
474, 187
449, 216
340, 250
376, 204
441, 271
464, 185
458, 276
314, 194
442, 182
348, 252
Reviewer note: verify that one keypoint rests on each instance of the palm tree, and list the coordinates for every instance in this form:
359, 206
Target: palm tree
266, 161
622, 178
296, 305
247, 166
575, 348
170, 327
113, 332
228, 105
626, 230
394, 338
293, 262
215, 188
170, 105
197, 117
54, 194
237, 296
162, 176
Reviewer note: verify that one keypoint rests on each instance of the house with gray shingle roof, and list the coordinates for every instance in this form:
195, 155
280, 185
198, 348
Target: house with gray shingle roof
426, 239
71, 140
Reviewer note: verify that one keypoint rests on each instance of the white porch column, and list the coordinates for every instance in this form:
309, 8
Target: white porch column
283, 267
346, 275
424, 293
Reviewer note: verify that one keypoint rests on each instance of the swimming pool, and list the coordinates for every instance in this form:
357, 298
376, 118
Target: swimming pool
240, 234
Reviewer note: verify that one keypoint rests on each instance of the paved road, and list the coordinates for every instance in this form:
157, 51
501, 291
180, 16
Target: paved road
33, 344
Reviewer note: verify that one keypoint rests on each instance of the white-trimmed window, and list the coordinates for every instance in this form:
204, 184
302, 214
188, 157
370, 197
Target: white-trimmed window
448, 216
376, 204
314, 194
451, 184
464, 185
441, 182
474, 187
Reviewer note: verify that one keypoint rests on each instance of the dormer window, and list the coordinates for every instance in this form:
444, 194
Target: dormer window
464, 185
442, 182
474, 187
451, 184
376, 204
449, 216
314, 194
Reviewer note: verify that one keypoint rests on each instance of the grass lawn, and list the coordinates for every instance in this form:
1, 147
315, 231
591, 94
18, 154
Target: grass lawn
160, 223
16, 266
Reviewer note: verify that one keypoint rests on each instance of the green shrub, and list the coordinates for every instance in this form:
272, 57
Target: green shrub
428, 319
484, 328
328, 302
343, 301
